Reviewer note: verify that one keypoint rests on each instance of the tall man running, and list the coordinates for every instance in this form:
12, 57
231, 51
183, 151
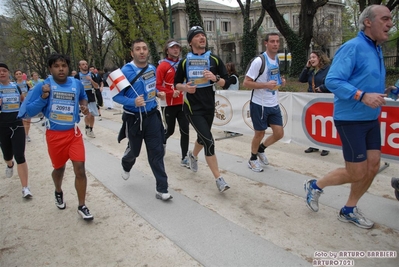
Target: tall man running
196, 75
357, 79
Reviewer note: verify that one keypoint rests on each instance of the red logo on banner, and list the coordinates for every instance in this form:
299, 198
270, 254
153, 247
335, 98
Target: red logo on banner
319, 127
319, 123
389, 121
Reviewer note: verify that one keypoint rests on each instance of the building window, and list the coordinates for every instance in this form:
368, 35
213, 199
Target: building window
295, 20
251, 22
270, 23
330, 20
226, 26
287, 18
209, 25
173, 28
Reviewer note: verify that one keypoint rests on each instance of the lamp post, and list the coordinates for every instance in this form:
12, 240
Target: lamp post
285, 58
170, 20
69, 31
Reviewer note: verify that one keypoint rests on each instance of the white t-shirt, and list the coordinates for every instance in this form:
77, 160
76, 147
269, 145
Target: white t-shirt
263, 97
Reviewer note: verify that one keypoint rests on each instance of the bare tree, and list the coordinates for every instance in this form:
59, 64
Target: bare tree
326, 29
298, 43
138, 19
36, 32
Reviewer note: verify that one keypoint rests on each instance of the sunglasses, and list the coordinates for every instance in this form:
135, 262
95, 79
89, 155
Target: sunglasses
196, 28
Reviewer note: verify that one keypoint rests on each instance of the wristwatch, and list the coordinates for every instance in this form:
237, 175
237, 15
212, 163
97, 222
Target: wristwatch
217, 78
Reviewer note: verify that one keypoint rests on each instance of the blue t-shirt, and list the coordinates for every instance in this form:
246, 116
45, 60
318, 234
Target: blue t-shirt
61, 108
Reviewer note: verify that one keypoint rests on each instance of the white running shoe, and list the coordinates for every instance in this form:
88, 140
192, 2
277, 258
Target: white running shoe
262, 158
10, 171
254, 165
90, 133
26, 192
125, 175
221, 184
163, 196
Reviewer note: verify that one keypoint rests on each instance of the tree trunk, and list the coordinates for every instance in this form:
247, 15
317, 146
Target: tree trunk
298, 43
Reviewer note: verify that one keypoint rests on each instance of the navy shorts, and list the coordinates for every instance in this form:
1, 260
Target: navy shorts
263, 117
358, 137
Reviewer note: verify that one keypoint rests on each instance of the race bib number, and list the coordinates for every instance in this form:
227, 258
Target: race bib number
62, 108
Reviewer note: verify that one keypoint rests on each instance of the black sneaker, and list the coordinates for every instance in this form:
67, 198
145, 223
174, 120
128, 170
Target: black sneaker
85, 213
59, 200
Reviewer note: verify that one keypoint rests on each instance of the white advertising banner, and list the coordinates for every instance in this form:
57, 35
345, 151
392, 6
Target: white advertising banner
107, 98
307, 119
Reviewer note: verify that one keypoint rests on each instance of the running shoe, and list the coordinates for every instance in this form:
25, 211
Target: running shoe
28, 138
26, 192
193, 162
163, 196
395, 184
59, 200
90, 133
262, 158
312, 195
184, 162
221, 184
125, 175
357, 218
254, 165
85, 213
10, 171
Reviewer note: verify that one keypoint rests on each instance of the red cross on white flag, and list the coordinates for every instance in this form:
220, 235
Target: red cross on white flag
117, 79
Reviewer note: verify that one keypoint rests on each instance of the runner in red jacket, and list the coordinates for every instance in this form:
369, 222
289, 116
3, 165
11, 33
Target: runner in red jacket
172, 110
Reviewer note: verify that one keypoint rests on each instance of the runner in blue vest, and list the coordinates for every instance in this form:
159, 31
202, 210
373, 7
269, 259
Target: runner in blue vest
12, 134
141, 117
60, 98
264, 106
196, 76
25, 87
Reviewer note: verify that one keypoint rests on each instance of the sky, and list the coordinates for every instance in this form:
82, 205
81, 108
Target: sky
2, 7
226, 2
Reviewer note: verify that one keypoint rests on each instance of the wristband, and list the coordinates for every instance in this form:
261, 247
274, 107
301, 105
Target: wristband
361, 97
358, 94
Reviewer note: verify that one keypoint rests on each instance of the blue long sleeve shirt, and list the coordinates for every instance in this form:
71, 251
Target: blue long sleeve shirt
357, 65
145, 85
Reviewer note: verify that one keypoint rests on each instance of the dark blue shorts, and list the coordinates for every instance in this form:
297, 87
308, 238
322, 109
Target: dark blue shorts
358, 137
263, 117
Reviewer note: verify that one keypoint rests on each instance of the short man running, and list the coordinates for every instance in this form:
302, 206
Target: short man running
264, 106
174, 98
86, 77
60, 97
141, 118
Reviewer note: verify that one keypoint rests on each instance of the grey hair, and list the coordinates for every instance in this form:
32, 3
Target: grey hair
367, 13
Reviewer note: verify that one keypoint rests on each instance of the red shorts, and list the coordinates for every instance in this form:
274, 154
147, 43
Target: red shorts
64, 145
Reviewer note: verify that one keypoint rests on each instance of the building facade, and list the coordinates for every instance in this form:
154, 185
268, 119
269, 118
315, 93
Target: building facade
224, 26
